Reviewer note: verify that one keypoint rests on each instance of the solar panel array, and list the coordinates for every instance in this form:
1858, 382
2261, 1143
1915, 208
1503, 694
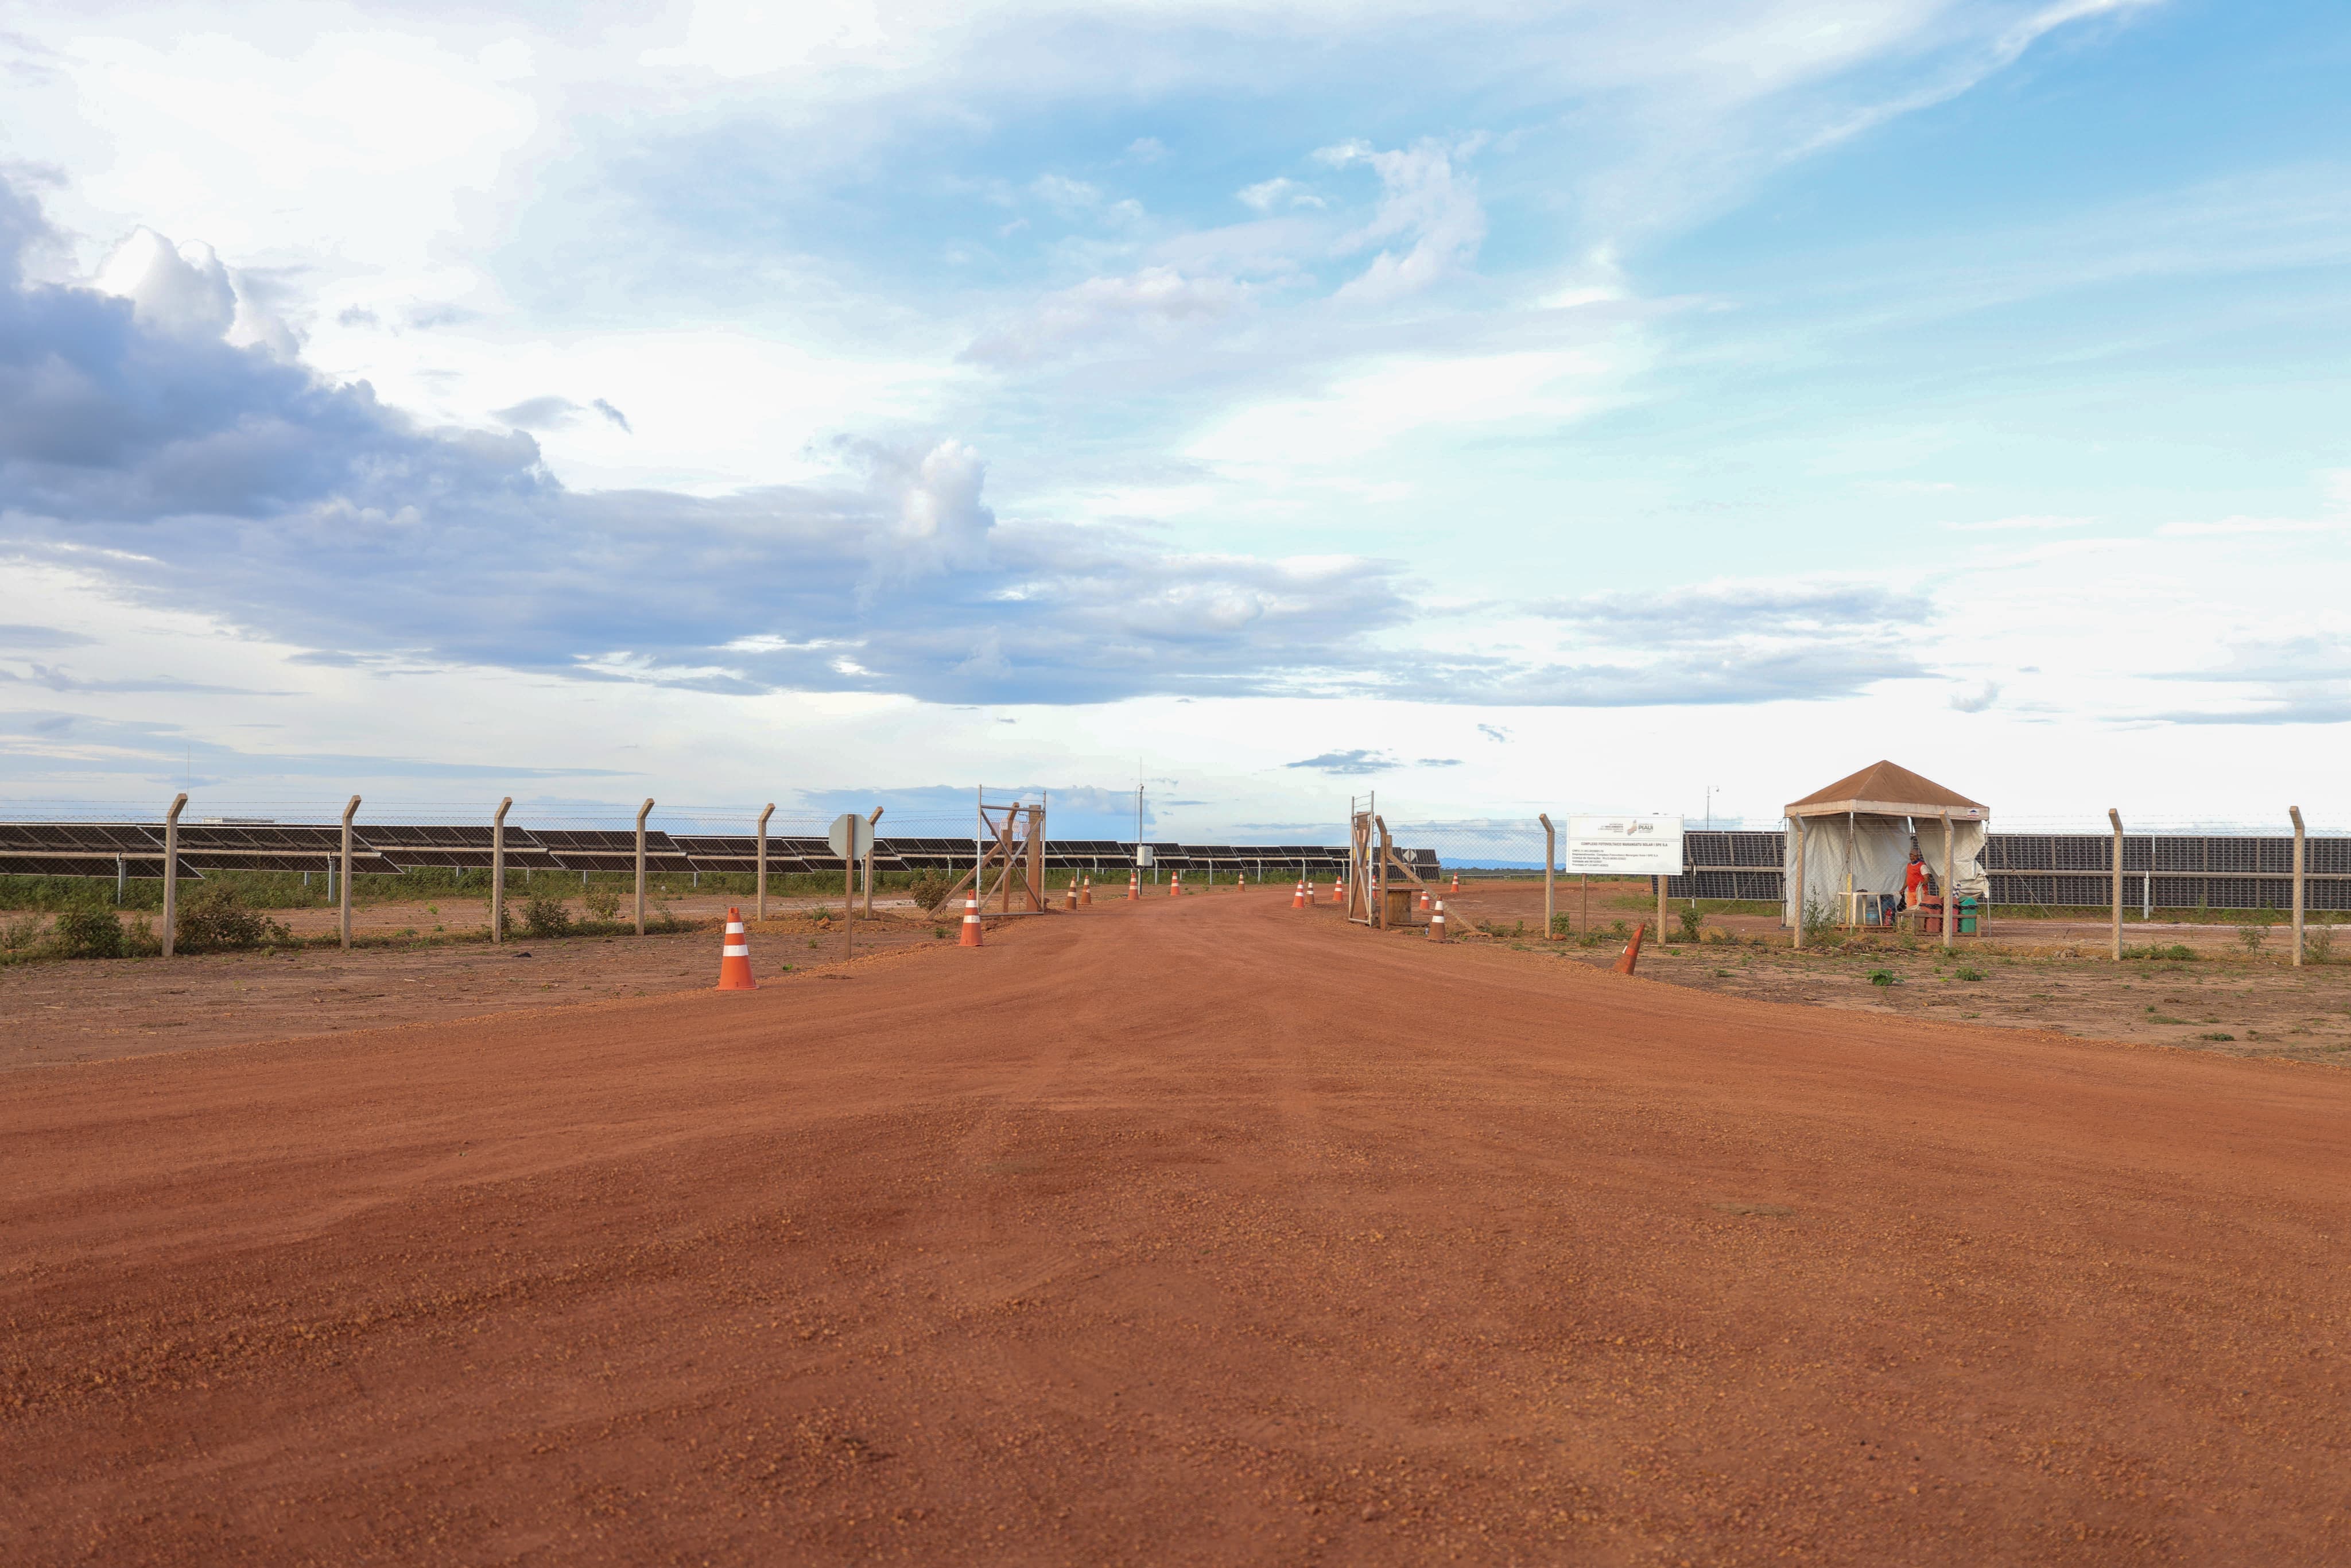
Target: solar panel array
136, 849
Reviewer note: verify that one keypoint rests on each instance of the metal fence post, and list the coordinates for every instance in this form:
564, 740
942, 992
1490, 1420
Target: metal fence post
761, 899
172, 872
498, 870
348, 812
642, 813
2299, 865
1551, 858
2116, 817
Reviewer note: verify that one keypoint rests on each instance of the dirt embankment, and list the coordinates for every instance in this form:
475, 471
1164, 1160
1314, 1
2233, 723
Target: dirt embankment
1197, 1231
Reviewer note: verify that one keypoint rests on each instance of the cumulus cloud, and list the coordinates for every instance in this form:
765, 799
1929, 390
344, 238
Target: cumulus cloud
553, 413
1976, 698
1153, 303
184, 291
1423, 199
1278, 193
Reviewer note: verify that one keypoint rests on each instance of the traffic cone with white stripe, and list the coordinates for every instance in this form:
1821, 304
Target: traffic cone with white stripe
1339, 895
1069, 895
1298, 899
1133, 886
734, 956
970, 921
1632, 954
1086, 896
1423, 901
1457, 881
1175, 885
1436, 922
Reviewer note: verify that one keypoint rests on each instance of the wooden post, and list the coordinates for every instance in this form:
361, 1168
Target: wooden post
1950, 884
873, 820
761, 899
1550, 859
2116, 817
172, 872
1661, 880
2299, 864
1852, 827
1796, 893
498, 870
643, 812
348, 812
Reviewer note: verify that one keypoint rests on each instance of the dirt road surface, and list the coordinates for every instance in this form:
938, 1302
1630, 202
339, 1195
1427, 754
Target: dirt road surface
1190, 1231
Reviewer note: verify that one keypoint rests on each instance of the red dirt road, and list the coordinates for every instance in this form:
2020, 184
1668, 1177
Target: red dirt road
1195, 1231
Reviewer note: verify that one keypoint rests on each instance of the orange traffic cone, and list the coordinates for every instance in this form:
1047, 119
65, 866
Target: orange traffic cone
1339, 895
1436, 922
1133, 886
1632, 954
1310, 892
1087, 896
1457, 881
1298, 899
971, 922
1069, 895
1423, 901
1175, 885
734, 956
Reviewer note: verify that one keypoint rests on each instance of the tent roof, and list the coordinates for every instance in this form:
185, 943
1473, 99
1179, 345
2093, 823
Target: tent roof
1884, 789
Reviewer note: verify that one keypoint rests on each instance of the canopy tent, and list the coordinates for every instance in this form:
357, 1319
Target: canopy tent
1854, 837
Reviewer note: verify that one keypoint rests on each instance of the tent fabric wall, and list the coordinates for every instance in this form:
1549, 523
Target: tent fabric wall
1881, 849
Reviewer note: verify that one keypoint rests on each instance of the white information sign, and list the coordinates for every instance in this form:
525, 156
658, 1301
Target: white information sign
1624, 845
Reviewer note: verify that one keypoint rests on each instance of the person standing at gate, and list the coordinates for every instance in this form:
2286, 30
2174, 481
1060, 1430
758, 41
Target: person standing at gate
1914, 878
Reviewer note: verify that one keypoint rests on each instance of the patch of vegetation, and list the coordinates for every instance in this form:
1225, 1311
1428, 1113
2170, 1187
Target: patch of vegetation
2216, 1035
1690, 920
22, 933
603, 899
2176, 953
213, 919
546, 917
1967, 972
2253, 933
930, 889
88, 933
1561, 926
2318, 944
1883, 977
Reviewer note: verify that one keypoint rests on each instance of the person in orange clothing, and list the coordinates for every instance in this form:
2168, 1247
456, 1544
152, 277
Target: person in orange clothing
1914, 880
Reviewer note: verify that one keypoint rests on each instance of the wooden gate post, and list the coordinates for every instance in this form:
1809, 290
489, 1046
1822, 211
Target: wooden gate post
2300, 863
1551, 858
348, 812
760, 898
498, 870
172, 871
643, 812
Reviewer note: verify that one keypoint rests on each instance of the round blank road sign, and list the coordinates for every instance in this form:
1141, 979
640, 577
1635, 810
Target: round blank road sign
851, 837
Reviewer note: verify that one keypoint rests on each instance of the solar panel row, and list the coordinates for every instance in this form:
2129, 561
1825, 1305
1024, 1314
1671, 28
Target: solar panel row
93, 849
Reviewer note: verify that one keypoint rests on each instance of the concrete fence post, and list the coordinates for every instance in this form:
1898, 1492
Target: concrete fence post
2116, 817
643, 812
2301, 866
760, 897
1550, 859
872, 822
348, 812
498, 870
172, 872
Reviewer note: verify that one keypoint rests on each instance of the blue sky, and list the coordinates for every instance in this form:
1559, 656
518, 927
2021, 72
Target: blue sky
1512, 409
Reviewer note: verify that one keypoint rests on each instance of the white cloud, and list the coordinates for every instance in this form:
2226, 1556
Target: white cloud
1278, 193
1101, 310
1423, 198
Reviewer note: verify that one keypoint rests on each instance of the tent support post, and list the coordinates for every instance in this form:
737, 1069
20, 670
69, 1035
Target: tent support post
1796, 893
1951, 883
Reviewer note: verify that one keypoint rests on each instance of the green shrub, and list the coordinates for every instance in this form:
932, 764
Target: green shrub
930, 889
213, 919
603, 899
1968, 972
1883, 977
22, 933
1690, 920
1561, 926
2253, 933
2176, 953
546, 917
87, 934
2318, 944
